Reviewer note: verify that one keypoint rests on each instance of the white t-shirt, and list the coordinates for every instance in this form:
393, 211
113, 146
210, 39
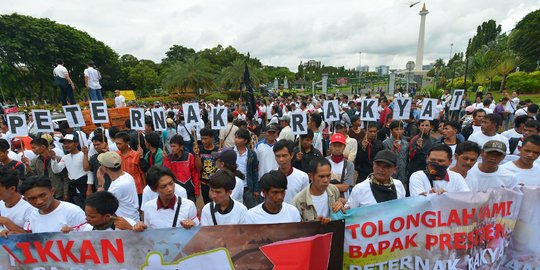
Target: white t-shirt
361, 194
88, 228
124, 189
257, 215
73, 163
481, 181
164, 218
296, 181
321, 204
148, 194
419, 183
480, 138
238, 191
66, 214
93, 78
18, 214
521, 111
476, 129
511, 133
234, 216
527, 177
488, 110
266, 157
119, 101
60, 71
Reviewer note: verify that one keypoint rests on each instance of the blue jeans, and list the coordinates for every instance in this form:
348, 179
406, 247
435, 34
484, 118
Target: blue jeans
67, 93
95, 94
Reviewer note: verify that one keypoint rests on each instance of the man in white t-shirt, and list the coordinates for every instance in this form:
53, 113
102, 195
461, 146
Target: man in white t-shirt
379, 186
119, 100
490, 125
63, 80
466, 155
223, 210
73, 163
273, 209
436, 178
122, 184
91, 80
265, 152
14, 210
49, 214
296, 179
487, 173
519, 125
320, 198
286, 131
167, 210
523, 168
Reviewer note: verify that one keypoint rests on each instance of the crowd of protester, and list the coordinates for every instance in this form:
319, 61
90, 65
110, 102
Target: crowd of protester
255, 170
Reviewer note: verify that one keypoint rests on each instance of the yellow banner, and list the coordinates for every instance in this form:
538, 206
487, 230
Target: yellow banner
128, 94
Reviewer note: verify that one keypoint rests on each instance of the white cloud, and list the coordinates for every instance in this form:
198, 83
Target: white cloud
281, 32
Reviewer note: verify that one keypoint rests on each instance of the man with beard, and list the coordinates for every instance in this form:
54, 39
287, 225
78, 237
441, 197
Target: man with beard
436, 178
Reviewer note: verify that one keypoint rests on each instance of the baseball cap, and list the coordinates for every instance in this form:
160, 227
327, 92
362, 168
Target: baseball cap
170, 122
110, 159
286, 118
227, 155
495, 146
47, 137
338, 138
387, 157
68, 137
470, 109
116, 91
340, 124
271, 128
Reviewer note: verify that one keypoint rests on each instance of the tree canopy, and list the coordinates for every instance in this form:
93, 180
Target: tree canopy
525, 40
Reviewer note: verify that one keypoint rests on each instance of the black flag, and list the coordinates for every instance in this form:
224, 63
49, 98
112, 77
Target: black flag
250, 94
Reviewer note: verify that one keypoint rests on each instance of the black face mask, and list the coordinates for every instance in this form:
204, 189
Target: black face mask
435, 171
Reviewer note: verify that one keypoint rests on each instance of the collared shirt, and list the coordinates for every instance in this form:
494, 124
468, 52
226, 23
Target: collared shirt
241, 160
168, 206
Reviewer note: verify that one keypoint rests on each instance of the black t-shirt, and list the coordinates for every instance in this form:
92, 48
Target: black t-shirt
208, 163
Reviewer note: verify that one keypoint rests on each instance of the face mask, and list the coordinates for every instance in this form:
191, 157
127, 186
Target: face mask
337, 159
436, 171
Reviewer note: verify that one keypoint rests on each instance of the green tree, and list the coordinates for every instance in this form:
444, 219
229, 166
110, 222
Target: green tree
232, 77
29, 47
485, 33
177, 53
195, 73
144, 77
525, 40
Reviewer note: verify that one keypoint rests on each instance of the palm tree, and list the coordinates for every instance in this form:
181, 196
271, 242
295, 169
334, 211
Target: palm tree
193, 74
507, 63
233, 76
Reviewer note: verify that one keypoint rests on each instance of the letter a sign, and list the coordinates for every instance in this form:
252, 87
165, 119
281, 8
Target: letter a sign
428, 109
331, 110
192, 117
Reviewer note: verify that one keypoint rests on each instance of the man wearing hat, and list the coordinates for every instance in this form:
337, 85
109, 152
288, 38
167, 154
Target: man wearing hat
73, 163
264, 150
351, 145
342, 169
487, 173
119, 100
380, 186
122, 184
286, 131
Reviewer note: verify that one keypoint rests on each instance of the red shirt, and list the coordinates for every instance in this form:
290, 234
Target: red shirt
131, 165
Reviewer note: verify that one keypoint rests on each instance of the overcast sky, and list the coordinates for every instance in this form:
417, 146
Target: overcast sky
281, 33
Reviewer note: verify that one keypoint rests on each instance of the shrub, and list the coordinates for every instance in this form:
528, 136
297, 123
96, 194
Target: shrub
524, 83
